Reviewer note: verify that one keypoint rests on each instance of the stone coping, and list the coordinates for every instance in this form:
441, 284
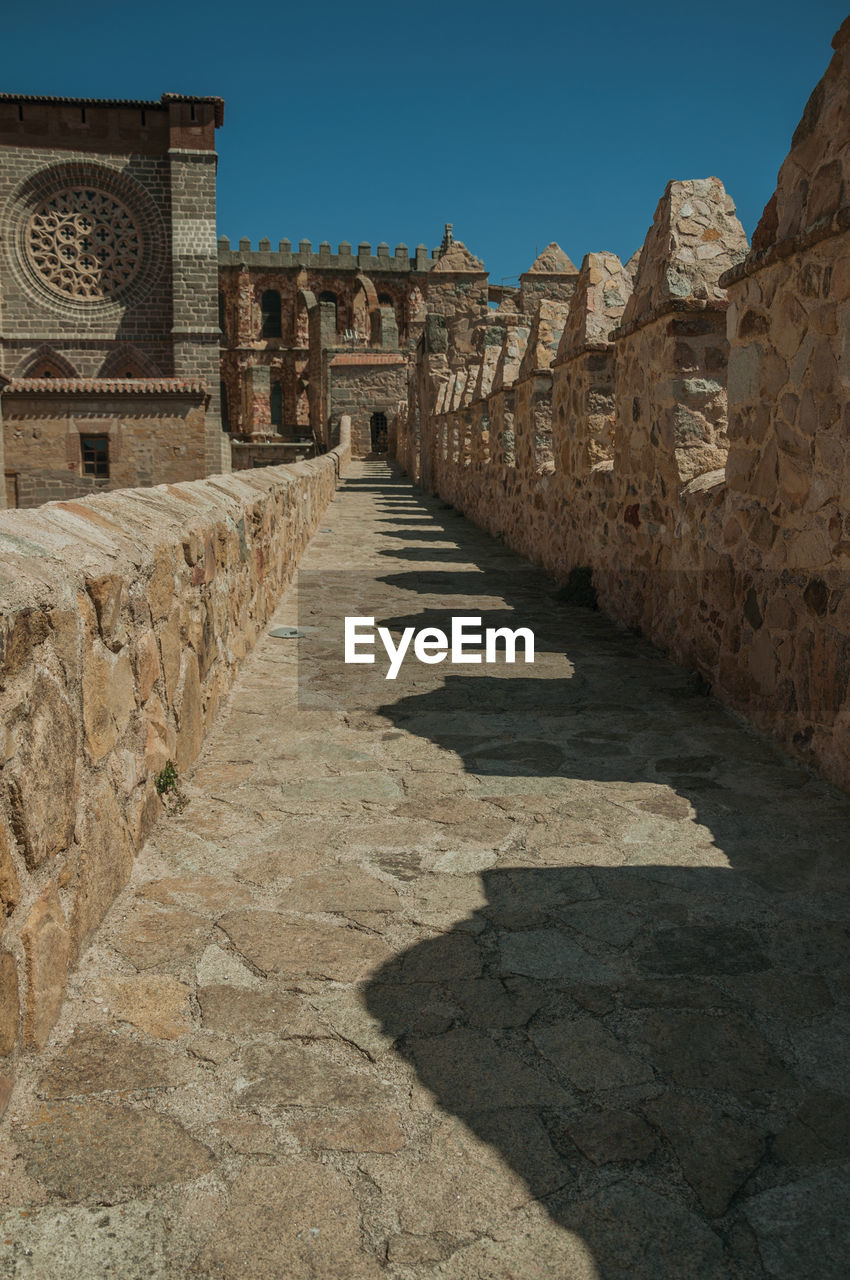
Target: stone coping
825, 229
671, 306
146, 104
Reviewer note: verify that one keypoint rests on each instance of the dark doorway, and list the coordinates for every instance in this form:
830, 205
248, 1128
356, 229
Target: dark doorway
276, 405
378, 425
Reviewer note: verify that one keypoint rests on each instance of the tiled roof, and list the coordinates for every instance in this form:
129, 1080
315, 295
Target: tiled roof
368, 357
107, 386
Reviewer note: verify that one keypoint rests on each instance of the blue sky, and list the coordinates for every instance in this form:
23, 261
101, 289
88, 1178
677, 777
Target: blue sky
518, 123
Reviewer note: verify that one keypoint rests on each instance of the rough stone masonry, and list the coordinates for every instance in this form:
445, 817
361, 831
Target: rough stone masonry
470, 980
530, 972
678, 432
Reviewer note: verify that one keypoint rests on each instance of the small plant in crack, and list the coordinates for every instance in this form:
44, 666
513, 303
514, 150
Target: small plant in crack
168, 788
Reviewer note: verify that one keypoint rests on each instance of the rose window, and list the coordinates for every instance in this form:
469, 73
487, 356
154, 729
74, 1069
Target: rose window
84, 243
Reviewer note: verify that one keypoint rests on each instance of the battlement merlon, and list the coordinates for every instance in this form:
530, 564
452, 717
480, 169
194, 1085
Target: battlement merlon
347, 258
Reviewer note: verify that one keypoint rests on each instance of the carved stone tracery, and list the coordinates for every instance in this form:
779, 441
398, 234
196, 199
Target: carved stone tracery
85, 243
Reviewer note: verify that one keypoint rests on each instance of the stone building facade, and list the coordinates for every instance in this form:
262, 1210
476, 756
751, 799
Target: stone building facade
108, 327
309, 336
134, 350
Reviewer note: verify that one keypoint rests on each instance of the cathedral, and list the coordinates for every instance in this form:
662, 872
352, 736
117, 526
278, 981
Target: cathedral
137, 349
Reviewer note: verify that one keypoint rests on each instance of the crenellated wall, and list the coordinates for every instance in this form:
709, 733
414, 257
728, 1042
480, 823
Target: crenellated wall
697, 457
126, 617
286, 315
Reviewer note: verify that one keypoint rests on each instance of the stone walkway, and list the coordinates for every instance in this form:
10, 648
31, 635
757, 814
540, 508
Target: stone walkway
488, 973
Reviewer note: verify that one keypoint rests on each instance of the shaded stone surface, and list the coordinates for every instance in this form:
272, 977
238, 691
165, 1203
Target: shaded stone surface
703, 949
549, 954
588, 1056
717, 1153
610, 1135
723, 1052
804, 1229
468, 1067
632, 1231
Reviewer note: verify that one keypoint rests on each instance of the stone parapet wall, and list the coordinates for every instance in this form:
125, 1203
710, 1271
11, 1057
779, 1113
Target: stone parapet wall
699, 458
125, 619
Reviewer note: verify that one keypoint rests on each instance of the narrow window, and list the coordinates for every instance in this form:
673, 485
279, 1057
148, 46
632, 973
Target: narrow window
222, 312
95, 456
327, 296
225, 416
270, 305
276, 402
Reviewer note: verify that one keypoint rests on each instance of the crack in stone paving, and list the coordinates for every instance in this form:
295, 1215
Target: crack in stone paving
485, 973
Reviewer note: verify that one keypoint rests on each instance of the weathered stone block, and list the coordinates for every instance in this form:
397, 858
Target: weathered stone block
190, 712
42, 773
109, 594
9, 888
161, 592
9, 1010
108, 698
19, 636
147, 664
47, 947
103, 863
169, 647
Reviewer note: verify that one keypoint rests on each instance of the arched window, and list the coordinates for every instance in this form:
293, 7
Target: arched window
128, 361
270, 304
225, 416
276, 402
47, 363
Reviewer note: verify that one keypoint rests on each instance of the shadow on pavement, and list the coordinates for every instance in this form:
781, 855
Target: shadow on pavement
649, 1017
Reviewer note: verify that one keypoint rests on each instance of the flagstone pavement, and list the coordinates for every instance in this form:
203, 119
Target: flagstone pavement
491, 972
